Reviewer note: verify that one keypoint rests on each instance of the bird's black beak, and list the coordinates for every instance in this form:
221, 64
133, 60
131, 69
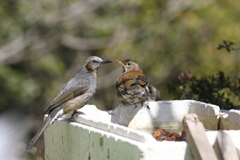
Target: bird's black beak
106, 61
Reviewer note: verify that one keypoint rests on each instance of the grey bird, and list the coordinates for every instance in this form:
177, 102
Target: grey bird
74, 95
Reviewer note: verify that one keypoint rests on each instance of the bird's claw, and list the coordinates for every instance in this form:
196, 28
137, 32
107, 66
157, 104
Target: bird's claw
75, 113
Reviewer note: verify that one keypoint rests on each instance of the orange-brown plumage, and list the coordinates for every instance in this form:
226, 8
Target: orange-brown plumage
129, 91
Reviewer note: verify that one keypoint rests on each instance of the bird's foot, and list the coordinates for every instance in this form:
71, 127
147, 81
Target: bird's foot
71, 119
78, 113
135, 106
75, 113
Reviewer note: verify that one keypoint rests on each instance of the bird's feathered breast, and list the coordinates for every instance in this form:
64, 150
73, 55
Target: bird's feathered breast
77, 86
125, 80
131, 75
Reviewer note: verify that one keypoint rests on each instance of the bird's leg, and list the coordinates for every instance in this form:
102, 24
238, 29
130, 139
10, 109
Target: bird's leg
135, 105
76, 112
123, 104
142, 102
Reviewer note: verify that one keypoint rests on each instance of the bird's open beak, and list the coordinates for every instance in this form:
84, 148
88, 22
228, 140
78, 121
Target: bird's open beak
106, 61
120, 62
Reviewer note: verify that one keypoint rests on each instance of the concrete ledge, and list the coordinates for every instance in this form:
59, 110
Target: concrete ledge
231, 120
98, 135
75, 141
165, 114
207, 113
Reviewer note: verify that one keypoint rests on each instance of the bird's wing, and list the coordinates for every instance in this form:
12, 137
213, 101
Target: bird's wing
140, 80
69, 91
127, 79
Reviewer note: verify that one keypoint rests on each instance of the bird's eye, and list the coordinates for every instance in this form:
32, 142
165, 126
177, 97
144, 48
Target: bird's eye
128, 64
94, 61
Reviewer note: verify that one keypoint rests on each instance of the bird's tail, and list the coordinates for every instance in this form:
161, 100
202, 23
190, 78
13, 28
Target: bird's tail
152, 93
52, 117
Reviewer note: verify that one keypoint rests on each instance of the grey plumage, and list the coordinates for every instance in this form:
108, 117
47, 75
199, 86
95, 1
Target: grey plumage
74, 95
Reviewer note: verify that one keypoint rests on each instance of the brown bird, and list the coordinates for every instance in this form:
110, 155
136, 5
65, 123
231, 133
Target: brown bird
132, 86
131, 83
74, 95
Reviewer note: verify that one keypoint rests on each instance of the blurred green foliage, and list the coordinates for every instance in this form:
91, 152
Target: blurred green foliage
43, 44
216, 89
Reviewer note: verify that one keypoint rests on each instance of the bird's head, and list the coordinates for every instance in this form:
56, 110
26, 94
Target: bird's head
94, 62
129, 65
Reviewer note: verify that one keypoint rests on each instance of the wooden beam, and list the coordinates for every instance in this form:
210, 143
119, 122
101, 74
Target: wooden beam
197, 139
225, 148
